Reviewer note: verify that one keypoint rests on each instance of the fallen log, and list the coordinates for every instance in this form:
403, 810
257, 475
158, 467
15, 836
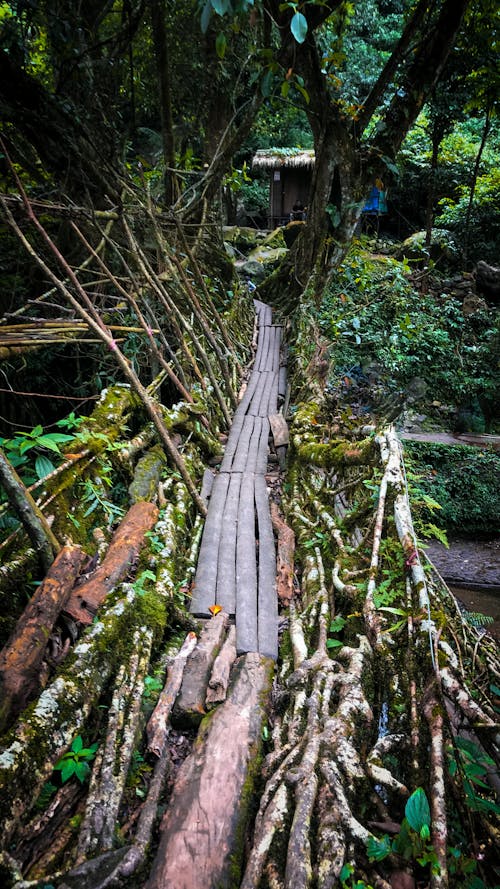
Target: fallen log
157, 727
123, 551
21, 658
219, 680
201, 833
189, 707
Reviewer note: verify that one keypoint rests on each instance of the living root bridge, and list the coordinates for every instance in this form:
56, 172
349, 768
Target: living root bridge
364, 688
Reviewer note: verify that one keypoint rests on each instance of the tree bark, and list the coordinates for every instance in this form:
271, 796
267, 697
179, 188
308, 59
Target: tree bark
122, 554
32, 518
21, 658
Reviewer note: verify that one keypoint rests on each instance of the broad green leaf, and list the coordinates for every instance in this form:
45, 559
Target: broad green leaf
285, 88
378, 849
334, 643
220, 45
46, 441
77, 744
298, 27
417, 810
68, 769
43, 466
206, 15
82, 771
221, 6
303, 92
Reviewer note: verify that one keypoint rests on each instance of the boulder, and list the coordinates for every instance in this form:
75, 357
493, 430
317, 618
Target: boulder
442, 248
487, 278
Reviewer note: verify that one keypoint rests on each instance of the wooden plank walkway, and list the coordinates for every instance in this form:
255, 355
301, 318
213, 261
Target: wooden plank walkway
237, 560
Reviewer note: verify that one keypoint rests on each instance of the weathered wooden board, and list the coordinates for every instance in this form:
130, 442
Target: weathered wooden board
275, 365
246, 570
189, 707
267, 600
240, 459
207, 485
282, 382
226, 567
254, 446
200, 836
261, 466
279, 429
263, 351
206, 572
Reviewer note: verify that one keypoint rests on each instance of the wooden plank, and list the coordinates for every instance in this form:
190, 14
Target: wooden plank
282, 382
253, 449
279, 429
273, 397
206, 571
276, 348
249, 394
265, 338
232, 442
207, 485
201, 832
261, 466
240, 458
267, 599
246, 570
260, 402
226, 568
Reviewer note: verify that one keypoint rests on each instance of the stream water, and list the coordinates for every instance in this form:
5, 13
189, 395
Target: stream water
472, 570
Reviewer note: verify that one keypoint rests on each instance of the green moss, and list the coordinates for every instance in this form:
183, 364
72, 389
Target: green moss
147, 475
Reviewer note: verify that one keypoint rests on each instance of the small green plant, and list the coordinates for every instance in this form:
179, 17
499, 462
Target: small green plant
17, 448
474, 764
76, 761
139, 583
336, 626
412, 841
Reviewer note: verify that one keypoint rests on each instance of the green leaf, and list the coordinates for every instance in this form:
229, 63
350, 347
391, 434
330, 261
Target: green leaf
346, 872
43, 466
303, 92
285, 88
220, 45
417, 810
68, 769
378, 849
334, 643
298, 27
82, 771
337, 624
425, 832
206, 15
47, 442
77, 744
221, 6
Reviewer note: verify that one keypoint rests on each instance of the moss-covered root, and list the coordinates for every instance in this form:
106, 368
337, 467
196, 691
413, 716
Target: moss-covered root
337, 453
49, 725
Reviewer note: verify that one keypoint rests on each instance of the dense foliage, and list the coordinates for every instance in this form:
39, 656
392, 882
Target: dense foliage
390, 337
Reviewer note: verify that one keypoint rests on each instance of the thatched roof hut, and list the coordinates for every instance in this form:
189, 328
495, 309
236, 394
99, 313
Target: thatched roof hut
290, 171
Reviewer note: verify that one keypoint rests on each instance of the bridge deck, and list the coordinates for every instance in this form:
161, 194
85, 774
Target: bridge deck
237, 560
